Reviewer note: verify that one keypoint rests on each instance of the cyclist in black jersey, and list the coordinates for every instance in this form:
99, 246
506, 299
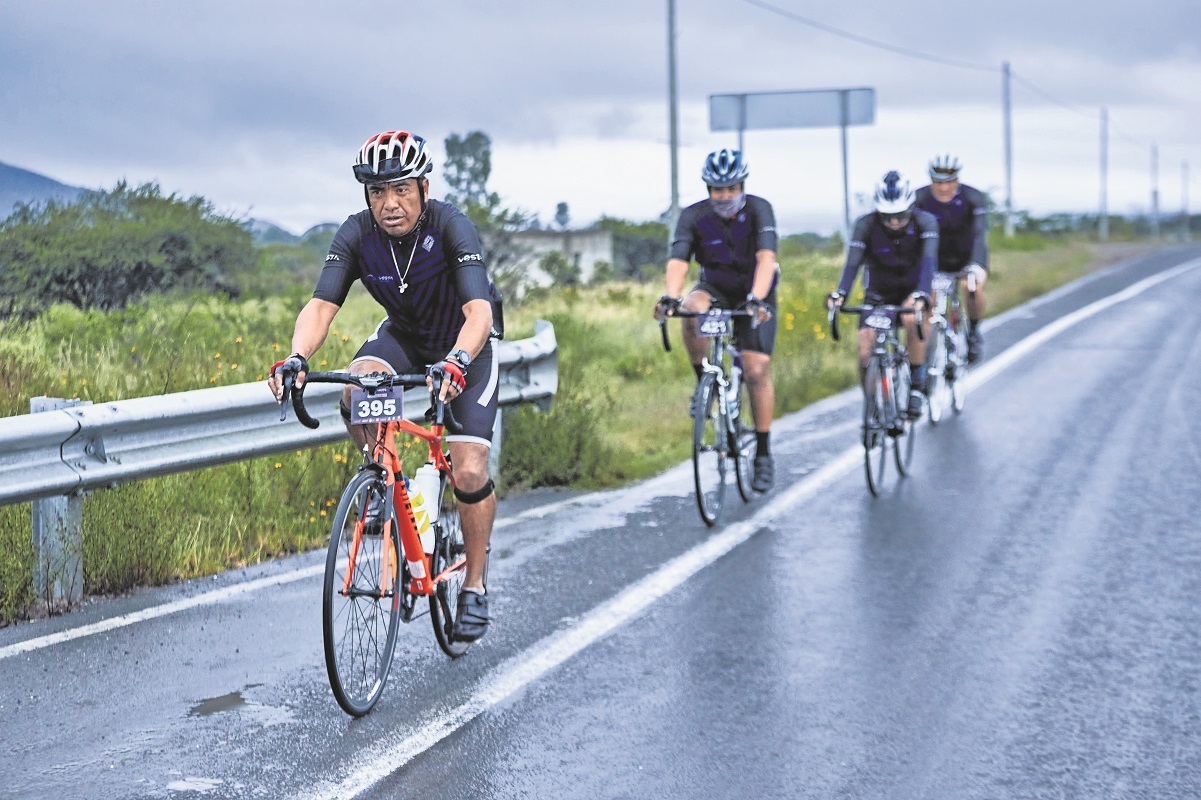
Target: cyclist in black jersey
962, 213
897, 246
733, 237
421, 260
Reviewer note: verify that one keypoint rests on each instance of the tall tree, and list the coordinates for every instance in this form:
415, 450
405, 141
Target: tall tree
468, 166
562, 217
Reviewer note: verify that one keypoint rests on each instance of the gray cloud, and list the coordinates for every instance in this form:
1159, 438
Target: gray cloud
141, 85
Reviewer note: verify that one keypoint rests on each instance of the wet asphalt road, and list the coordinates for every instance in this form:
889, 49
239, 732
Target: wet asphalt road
1018, 619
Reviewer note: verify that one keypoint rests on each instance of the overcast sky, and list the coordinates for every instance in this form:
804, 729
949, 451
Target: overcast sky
261, 106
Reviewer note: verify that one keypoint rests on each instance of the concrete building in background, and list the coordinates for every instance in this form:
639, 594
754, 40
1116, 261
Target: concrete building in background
582, 249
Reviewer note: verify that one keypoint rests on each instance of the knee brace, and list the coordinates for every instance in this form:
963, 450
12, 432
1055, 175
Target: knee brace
479, 495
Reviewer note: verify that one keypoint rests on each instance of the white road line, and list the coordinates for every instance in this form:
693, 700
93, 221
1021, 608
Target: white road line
976, 377
208, 598
986, 371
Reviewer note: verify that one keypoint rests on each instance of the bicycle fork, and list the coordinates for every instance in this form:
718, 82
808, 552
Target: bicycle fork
723, 386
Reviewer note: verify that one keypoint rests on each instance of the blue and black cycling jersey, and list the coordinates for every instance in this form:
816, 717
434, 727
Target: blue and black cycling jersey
422, 279
726, 248
962, 227
895, 264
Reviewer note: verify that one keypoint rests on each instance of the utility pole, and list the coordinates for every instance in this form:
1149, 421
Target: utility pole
1008, 148
1103, 225
673, 213
1155, 192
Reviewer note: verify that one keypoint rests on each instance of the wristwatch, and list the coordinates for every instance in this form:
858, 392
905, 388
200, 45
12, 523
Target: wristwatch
461, 356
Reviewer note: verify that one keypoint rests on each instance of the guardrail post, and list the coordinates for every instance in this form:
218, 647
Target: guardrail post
58, 533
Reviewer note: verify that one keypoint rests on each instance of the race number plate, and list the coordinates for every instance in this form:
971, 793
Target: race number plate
714, 324
880, 322
385, 404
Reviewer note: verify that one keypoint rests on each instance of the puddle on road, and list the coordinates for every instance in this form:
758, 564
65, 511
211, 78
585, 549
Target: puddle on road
234, 701
214, 705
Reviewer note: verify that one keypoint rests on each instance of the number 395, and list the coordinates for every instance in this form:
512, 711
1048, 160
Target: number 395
377, 408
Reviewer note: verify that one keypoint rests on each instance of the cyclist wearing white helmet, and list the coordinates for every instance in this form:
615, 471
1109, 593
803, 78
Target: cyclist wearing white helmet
962, 213
421, 260
733, 237
897, 246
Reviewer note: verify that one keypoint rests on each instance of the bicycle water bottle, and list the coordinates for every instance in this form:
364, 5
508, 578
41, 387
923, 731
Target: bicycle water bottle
420, 515
732, 391
428, 481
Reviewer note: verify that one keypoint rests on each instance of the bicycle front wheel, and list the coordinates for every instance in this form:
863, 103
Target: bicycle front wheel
709, 444
875, 436
360, 610
742, 444
449, 561
957, 361
936, 373
905, 426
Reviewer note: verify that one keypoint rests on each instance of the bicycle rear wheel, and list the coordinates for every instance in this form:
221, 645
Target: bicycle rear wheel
709, 444
875, 437
360, 609
450, 557
742, 444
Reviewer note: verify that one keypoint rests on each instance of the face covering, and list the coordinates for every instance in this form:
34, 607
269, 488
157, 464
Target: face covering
726, 209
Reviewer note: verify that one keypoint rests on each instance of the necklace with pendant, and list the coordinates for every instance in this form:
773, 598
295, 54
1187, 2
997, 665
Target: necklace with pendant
401, 278
416, 233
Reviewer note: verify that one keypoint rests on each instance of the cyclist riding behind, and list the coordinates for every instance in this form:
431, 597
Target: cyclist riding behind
897, 245
421, 260
733, 237
962, 213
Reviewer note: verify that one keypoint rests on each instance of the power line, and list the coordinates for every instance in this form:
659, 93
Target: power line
1051, 98
854, 37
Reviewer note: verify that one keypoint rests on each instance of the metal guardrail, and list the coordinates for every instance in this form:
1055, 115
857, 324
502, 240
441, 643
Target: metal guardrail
67, 451
95, 446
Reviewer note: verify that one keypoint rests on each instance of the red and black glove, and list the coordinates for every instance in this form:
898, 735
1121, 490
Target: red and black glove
451, 371
292, 366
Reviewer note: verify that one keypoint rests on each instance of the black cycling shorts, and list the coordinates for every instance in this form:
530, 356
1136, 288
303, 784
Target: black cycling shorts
760, 339
474, 409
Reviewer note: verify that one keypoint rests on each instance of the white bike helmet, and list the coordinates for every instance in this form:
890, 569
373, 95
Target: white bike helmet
392, 156
944, 168
893, 195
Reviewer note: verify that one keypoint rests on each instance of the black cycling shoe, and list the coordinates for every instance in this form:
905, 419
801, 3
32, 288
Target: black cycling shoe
472, 619
917, 402
975, 346
765, 474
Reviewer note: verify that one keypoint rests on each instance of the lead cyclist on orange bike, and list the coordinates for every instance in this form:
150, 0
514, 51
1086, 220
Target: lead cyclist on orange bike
421, 260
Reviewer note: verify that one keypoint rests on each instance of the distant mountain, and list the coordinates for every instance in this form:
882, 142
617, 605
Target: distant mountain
269, 233
22, 186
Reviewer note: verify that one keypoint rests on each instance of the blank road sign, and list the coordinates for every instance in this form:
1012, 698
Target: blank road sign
819, 108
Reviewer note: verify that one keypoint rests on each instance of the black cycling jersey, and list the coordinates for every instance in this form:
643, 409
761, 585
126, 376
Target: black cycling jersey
422, 279
962, 227
895, 264
726, 248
